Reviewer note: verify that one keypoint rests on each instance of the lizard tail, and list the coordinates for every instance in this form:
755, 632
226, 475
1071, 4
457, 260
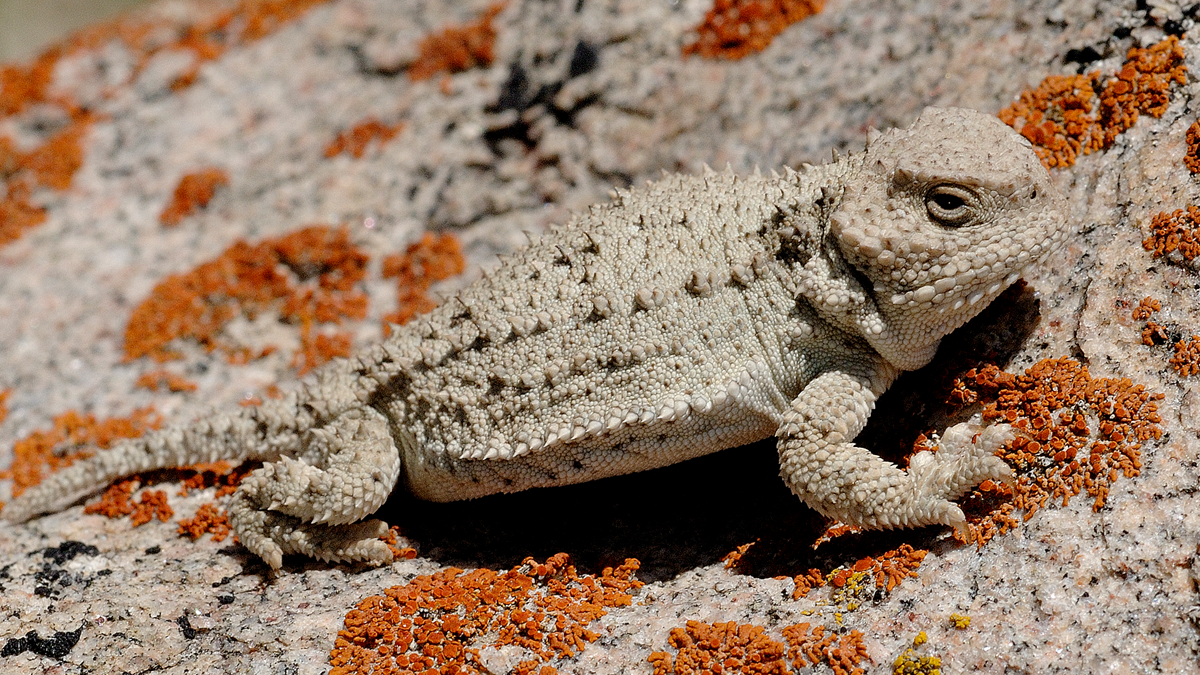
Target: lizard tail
264, 432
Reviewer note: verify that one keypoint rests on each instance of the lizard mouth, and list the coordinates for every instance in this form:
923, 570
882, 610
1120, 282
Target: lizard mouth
861, 277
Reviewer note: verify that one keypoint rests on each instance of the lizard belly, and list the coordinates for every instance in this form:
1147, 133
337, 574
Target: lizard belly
737, 412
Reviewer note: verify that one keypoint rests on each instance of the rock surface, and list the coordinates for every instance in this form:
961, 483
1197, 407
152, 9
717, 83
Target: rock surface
580, 97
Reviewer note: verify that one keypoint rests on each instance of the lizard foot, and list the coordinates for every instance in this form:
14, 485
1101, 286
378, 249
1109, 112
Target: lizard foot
309, 504
271, 535
966, 457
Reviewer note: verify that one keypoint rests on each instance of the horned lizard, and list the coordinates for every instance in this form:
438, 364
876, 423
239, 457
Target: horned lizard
694, 314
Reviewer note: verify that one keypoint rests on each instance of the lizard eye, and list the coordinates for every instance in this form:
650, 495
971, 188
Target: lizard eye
950, 205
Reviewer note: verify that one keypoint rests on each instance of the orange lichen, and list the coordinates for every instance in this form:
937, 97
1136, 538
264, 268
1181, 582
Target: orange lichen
835, 530
721, 647
887, 570
194, 192
433, 258
207, 38
733, 29
816, 645
1075, 433
4, 404
1145, 308
457, 48
34, 456
746, 648
263, 17
1177, 232
328, 268
439, 622
208, 520
356, 139
200, 476
398, 552
894, 566
309, 276
55, 162
17, 214
319, 348
157, 380
731, 559
1186, 360
51, 165
1153, 333
1071, 115
806, 582
22, 85
1192, 159
117, 501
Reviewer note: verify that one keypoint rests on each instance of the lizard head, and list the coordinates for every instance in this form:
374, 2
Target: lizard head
945, 215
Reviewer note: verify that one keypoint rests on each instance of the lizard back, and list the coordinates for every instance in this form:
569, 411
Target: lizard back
606, 347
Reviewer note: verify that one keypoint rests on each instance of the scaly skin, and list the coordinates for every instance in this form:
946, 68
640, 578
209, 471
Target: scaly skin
695, 314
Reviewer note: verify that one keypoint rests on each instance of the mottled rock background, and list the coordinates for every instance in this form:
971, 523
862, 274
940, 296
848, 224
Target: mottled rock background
582, 96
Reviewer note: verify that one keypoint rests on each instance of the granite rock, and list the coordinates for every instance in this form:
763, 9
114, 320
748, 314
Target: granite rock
582, 97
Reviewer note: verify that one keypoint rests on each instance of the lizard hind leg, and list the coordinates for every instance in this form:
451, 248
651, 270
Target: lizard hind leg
345, 471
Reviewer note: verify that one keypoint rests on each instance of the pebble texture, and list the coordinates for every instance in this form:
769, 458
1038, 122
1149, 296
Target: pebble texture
576, 102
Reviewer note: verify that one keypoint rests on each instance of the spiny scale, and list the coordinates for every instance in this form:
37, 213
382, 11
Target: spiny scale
623, 351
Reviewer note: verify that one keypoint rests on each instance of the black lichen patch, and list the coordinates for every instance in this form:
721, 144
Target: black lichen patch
52, 577
56, 646
584, 59
67, 551
185, 626
531, 88
1084, 56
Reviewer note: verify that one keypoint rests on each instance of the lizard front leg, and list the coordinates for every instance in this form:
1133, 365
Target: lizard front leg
308, 504
822, 466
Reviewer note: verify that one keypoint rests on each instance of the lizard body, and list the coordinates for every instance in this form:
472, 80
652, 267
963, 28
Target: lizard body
688, 316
